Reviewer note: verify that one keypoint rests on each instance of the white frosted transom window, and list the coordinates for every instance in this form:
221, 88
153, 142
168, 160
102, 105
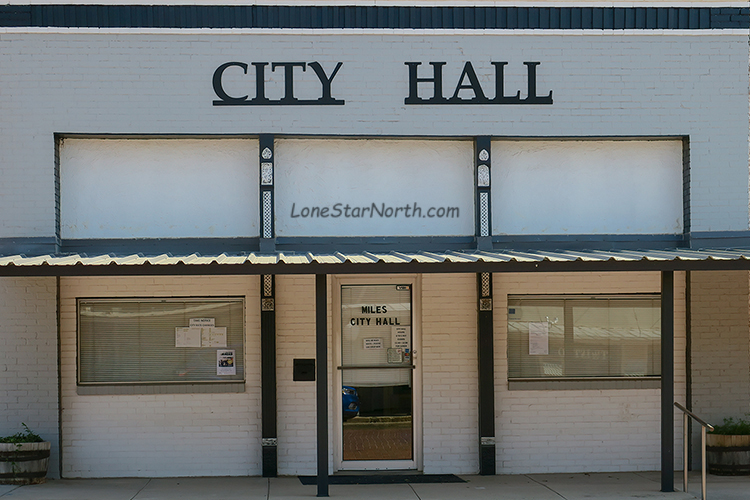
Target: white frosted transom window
587, 187
374, 187
158, 188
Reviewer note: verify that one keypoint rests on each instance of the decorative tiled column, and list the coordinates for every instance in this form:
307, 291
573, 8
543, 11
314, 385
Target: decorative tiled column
482, 162
267, 229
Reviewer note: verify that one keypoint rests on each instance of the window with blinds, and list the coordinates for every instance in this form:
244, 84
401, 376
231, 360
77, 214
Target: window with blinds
137, 341
574, 337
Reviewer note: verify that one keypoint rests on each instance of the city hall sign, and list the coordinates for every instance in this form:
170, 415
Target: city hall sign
468, 82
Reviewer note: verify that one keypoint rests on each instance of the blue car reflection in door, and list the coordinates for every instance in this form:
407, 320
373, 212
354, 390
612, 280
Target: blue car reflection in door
350, 402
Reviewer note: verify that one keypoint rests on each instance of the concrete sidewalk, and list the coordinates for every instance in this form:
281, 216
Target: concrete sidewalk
608, 486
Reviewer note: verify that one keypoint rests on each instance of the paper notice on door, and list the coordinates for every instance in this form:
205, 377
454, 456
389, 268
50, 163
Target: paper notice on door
187, 337
214, 336
225, 362
375, 343
395, 355
401, 337
538, 339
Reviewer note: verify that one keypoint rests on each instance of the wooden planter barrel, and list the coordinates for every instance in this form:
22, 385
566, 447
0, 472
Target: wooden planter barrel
23, 463
728, 455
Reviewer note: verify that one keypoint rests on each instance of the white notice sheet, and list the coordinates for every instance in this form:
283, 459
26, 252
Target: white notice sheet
214, 336
538, 339
187, 337
225, 362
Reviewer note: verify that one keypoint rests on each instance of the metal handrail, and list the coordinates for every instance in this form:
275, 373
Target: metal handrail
704, 425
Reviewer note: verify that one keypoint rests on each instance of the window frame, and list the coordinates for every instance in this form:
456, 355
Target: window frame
579, 381
164, 386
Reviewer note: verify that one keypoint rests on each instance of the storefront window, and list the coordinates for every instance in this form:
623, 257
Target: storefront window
132, 341
571, 337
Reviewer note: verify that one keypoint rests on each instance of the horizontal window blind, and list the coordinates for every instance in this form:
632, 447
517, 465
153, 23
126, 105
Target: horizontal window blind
579, 337
147, 341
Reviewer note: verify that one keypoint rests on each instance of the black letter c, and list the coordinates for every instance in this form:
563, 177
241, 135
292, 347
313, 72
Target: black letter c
219, 89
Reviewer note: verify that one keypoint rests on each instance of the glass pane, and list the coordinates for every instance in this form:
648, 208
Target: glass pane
616, 338
376, 340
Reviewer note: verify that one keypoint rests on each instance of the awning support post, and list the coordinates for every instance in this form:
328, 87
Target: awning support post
485, 332
321, 379
667, 381
269, 439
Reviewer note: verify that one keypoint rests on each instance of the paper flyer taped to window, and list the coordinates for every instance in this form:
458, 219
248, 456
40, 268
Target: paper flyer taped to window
196, 336
538, 339
187, 337
395, 355
214, 336
225, 362
202, 322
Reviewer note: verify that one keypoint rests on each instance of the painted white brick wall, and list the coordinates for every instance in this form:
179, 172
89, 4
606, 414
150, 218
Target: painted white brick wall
449, 374
720, 347
161, 434
295, 338
604, 84
28, 360
581, 430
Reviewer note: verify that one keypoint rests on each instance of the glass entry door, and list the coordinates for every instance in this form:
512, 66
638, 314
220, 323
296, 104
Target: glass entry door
377, 375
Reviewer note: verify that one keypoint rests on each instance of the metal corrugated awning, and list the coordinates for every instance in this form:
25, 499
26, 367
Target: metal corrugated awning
675, 259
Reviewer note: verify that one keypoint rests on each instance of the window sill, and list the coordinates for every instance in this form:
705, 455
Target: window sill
140, 389
584, 384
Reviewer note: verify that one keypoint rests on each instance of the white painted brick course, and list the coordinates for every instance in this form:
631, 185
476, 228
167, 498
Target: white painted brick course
295, 338
449, 371
28, 360
161, 435
720, 347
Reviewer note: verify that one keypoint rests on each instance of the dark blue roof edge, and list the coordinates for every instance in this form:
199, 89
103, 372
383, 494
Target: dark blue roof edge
373, 17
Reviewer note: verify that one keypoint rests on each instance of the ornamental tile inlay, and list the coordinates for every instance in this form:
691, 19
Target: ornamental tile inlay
484, 215
266, 174
483, 176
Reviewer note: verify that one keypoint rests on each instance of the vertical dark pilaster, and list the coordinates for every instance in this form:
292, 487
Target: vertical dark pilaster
321, 379
689, 361
58, 319
267, 229
667, 381
483, 201
486, 361
58, 236
268, 374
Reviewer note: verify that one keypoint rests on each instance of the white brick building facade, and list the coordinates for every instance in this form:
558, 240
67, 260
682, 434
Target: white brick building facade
574, 151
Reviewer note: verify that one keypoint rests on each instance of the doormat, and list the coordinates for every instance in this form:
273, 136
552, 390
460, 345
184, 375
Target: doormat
385, 479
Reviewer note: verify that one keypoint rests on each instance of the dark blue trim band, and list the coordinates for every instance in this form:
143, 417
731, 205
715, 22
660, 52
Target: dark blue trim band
28, 246
552, 242
337, 17
157, 246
